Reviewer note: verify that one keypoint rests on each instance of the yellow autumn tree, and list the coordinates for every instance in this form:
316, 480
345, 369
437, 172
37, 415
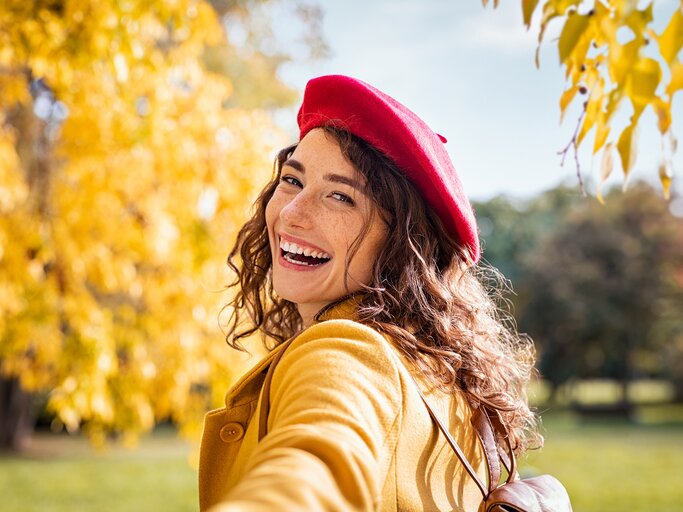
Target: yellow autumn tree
612, 56
129, 156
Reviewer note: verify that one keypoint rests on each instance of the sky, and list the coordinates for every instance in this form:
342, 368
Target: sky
469, 72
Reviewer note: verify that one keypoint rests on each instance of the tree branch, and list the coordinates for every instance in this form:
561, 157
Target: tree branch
573, 144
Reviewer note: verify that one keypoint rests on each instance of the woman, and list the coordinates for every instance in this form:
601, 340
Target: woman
359, 266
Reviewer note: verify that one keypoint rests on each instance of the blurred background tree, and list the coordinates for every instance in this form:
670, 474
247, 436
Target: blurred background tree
133, 138
599, 288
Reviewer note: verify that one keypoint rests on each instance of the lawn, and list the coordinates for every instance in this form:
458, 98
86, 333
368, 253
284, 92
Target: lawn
606, 466
612, 466
61, 473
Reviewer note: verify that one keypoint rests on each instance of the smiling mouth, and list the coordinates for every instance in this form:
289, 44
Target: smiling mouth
304, 256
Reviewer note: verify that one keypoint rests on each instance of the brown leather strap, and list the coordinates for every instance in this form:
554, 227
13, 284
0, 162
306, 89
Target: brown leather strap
489, 428
265, 391
505, 451
482, 425
454, 445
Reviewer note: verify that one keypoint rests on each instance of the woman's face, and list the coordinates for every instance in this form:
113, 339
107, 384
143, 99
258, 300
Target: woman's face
315, 215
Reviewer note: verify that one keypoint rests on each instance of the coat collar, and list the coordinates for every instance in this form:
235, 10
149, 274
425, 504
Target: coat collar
345, 307
242, 388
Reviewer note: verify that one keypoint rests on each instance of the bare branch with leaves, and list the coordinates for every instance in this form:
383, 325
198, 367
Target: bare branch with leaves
611, 72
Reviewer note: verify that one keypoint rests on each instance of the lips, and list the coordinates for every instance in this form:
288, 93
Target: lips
297, 253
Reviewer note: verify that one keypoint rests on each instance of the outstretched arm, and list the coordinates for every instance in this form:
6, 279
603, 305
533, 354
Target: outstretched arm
336, 404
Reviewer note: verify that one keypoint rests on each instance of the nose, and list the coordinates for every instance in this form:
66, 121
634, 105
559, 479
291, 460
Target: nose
299, 211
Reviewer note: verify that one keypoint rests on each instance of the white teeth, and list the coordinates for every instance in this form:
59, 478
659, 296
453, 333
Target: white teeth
291, 260
291, 247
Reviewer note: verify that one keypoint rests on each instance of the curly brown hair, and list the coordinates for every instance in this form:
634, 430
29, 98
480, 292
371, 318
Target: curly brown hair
441, 311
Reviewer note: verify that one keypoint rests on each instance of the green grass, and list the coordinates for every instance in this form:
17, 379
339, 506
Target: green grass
606, 466
60, 473
613, 466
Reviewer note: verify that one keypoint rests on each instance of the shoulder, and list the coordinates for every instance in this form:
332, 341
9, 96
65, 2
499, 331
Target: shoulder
338, 376
341, 357
347, 340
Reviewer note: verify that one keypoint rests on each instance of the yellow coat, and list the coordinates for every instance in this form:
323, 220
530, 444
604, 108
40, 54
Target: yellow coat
347, 430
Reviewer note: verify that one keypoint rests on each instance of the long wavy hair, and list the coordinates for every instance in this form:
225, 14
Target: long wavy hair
441, 311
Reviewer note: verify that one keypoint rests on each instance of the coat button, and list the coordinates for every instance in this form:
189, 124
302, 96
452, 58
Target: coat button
232, 432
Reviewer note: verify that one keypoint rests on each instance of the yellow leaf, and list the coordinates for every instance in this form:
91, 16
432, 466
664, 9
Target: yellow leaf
622, 59
643, 80
627, 149
121, 68
605, 169
549, 12
671, 40
14, 89
638, 21
624, 8
573, 29
566, 99
602, 130
563, 5
528, 8
613, 101
665, 176
593, 110
676, 82
663, 111
606, 26
592, 76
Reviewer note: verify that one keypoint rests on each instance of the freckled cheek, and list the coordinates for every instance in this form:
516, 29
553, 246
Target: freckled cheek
345, 230
367, 255
335, 223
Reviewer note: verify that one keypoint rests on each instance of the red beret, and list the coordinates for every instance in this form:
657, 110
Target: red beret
402, 136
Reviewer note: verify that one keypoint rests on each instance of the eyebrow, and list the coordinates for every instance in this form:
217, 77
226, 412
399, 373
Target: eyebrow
334, 178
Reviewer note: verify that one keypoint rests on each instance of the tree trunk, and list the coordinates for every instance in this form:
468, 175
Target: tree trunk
16, 415
625, 407
678, 389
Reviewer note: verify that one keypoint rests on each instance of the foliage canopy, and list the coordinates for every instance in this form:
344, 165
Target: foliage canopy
128, 160
607, 52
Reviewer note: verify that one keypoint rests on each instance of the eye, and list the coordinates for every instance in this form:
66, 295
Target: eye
343, 198
291, 180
